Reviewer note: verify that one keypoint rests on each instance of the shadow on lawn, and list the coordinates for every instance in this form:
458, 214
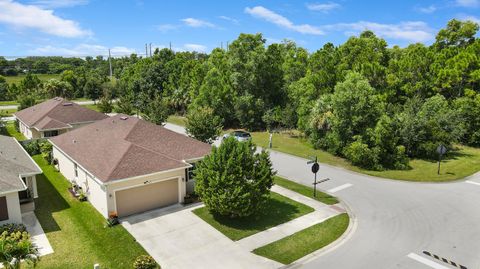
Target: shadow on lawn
274, 212
48, 202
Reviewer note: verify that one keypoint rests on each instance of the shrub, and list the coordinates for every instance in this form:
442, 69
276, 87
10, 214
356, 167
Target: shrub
105, 105
234, 180
145, 262
360, 154
46, 150
32, 147
12, 227
17, 246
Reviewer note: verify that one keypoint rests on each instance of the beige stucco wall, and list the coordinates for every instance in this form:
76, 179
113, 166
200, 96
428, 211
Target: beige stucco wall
101, 196
13, 207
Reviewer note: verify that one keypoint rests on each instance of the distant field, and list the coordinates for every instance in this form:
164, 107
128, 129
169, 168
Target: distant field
17, 79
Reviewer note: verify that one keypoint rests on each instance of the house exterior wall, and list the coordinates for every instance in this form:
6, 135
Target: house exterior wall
140, 181
94, 191
13, 207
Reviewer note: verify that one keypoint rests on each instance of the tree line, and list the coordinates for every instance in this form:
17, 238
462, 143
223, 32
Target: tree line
375, 105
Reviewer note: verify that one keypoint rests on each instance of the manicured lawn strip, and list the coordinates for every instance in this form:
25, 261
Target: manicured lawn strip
8, 103
11, 131
76, 230
305, 191
7, 112
297, 245
463, 162
279, 209
178, 120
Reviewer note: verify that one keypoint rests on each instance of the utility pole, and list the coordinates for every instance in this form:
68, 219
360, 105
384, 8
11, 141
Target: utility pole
227, 46
146, 50
110, 63
170, 46
221, 45
150, 49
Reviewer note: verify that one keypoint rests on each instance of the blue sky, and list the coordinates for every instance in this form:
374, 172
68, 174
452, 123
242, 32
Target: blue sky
90, 27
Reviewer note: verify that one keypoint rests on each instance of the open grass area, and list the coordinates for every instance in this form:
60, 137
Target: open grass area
462, 162
178, 120
76, 230
7, 112
17, 79
297, 245
305, 191
11, 131
279, 209
8, 103
92, 107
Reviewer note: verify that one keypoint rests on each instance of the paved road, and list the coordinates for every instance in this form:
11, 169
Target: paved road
396, 219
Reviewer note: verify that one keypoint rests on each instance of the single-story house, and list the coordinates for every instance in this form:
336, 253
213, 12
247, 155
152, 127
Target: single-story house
18, 185
53, 117
126, 165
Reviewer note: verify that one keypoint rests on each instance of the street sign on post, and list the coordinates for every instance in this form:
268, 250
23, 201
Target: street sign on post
441, 150
315, 168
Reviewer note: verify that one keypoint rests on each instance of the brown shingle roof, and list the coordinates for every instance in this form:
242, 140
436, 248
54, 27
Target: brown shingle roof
61, 113
114, 149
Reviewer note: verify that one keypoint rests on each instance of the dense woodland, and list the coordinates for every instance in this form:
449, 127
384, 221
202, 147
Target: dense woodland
375, 105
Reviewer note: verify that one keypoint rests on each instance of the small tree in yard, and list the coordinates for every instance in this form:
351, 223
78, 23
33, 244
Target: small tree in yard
203, 124
234, 180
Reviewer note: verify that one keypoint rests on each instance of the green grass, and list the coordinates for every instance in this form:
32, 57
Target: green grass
279, 209
17, 79
76, 230
92, 107
178, 120
7, 112
297, 245
8, 103
11, 131
464, 161
305, 191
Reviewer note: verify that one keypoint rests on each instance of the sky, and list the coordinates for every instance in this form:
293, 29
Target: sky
91, 27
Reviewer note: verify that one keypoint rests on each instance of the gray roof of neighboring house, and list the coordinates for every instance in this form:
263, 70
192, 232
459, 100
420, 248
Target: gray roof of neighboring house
14, 162
122, 147
57, 113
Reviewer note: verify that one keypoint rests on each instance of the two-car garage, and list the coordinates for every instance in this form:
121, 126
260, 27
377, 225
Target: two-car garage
147, 197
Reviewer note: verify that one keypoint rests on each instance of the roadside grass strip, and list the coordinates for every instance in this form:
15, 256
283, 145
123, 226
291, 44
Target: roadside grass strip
304, 242
305, 191
278, 209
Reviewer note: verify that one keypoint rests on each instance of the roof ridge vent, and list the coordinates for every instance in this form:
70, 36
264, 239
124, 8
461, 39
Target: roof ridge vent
123, 117
67, 104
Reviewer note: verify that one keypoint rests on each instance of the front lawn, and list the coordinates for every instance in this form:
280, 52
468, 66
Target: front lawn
11, 131
297, 245
278, 209
7, 112
76, 230
305, 191
8, 103
463, 162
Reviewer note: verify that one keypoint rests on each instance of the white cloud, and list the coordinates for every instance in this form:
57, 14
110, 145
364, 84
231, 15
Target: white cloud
414, 31
196, 23
58, 3
427, 10
82, 50
235, 21
324, 7
28, 16
195, 47
166, 27
468, 3
270, 16
470, 18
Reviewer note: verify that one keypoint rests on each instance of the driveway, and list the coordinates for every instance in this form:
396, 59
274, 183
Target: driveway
177, 238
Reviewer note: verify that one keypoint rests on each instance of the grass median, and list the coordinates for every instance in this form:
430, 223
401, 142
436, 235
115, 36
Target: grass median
305, 191
278, 209
304, 242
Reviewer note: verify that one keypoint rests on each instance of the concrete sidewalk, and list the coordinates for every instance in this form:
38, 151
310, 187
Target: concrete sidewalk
322, 212
36, 232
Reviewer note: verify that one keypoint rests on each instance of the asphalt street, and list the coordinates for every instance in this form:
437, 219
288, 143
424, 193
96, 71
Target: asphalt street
395, 221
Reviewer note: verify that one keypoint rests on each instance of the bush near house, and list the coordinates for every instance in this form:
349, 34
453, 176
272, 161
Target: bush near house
145, 262
234, 180
16, 245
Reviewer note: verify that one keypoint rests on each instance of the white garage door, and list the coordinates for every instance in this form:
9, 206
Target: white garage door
147, 197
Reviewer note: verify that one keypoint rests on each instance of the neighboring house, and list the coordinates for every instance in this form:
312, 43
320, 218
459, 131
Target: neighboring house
126, 165
18, 185
54, 117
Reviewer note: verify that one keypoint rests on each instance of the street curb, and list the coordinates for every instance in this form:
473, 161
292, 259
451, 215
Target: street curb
352, 227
